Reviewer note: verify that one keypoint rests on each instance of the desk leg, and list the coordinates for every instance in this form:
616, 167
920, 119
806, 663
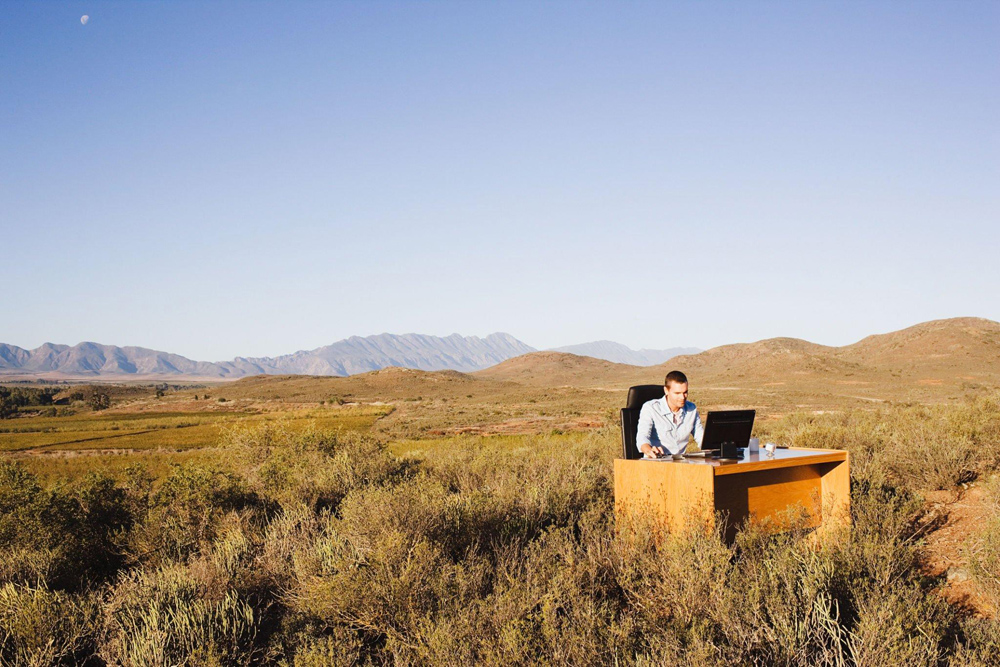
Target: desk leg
836, 481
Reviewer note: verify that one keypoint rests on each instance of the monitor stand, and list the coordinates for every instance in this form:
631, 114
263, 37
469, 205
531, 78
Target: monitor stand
729, 450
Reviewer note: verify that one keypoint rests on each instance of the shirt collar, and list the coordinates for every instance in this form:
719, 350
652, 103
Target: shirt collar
667, 411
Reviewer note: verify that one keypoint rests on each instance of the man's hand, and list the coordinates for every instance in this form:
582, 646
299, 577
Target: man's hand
653, 452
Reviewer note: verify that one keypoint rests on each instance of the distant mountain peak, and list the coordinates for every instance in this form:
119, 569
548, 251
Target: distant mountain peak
621, 354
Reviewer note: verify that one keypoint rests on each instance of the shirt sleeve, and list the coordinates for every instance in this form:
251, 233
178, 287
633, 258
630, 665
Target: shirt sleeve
699, 430
645, 428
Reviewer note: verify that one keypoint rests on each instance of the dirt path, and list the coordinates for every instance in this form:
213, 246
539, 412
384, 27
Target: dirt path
966, 515
78, 441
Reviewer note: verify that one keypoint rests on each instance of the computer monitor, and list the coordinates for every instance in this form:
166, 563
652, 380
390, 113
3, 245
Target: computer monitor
728, 431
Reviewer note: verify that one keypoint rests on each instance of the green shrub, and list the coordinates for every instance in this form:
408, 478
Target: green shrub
61, 537
185, 511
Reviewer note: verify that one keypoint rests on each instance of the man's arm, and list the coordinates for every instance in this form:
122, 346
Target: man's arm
699, 431
643, 432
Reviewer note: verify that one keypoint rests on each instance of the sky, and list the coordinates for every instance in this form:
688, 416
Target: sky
220, 179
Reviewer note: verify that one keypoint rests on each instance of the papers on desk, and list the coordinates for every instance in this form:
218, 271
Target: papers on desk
704, 454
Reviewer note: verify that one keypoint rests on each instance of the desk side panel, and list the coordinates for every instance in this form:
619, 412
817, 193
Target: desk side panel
776, 497
675, 495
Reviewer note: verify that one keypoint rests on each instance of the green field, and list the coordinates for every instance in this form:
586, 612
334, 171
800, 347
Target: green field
163, 430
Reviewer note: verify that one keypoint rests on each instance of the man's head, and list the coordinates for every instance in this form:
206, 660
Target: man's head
675, 387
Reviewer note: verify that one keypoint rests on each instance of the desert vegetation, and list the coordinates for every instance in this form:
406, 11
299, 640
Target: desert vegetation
291, 542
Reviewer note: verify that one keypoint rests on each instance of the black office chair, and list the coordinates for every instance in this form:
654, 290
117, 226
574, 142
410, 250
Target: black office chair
630, 415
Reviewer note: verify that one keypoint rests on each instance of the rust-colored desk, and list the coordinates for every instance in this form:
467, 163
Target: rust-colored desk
678, 492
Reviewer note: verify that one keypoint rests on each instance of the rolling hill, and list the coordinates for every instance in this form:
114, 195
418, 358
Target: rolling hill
557, 369
934, 362
969, 345
929, 361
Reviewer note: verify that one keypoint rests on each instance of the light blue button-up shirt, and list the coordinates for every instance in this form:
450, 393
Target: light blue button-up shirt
659, 427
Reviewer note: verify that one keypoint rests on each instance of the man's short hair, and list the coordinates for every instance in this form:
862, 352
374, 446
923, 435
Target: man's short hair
675, 376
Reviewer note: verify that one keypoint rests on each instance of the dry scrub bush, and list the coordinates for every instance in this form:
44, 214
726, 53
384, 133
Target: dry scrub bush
318, 549
41, 627
311, 467
978, 644
782, 599
984, 551
169, 616
342, 648
922, 448
498, 559
403, 566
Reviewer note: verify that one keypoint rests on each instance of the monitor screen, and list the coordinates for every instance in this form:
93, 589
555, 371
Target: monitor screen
727, 431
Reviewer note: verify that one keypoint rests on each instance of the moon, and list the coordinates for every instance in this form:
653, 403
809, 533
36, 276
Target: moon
84, 19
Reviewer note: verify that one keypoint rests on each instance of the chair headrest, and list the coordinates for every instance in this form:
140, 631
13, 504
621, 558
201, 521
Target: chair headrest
641, 393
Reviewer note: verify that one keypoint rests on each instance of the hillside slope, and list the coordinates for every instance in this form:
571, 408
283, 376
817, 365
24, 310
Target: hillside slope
933, 361
555, 369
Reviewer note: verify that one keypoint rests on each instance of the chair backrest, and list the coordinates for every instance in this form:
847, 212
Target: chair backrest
630, 415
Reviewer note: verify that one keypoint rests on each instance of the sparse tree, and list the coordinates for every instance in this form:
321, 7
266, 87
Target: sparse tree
7, 407
99, 400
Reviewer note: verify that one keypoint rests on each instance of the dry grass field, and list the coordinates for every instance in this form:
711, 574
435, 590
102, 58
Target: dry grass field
135, 431
407, 517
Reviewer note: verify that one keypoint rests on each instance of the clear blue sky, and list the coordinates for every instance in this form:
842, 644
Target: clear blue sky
256, 178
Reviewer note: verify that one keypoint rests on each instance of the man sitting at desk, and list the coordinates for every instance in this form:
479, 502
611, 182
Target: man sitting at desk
665, 424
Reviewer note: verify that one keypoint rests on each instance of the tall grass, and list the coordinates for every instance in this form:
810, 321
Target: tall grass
317, 547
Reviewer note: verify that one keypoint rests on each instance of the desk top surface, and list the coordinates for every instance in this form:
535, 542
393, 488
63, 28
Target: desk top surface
783, 458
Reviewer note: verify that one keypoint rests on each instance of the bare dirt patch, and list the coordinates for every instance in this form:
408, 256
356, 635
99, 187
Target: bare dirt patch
965, 514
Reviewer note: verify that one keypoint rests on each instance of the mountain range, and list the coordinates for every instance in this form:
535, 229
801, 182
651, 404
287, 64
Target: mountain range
346, 357
957, 353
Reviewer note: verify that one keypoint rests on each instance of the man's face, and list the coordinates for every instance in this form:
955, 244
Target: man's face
677, 395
